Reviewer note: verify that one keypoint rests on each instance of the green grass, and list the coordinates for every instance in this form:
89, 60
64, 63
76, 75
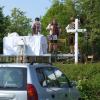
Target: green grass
87, 77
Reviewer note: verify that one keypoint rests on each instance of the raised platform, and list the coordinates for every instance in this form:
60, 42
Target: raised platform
46, 58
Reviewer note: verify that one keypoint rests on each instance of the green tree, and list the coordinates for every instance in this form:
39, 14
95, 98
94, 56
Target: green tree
19, 22
2, 23
3, 26
90, 14
61, 11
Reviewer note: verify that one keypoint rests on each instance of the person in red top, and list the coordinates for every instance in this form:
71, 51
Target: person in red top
54, 31
36, 28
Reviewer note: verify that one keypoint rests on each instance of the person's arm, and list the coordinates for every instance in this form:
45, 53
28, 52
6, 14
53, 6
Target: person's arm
59, 29
67, 27
39, 26
48, 27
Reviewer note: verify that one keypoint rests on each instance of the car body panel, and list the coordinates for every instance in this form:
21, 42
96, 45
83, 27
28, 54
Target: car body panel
13, 95
44, 93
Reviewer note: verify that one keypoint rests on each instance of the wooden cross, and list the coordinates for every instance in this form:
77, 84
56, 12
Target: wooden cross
76, 30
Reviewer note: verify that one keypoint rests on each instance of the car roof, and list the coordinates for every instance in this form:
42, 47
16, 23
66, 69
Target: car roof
25, 65
37, 65
13, 65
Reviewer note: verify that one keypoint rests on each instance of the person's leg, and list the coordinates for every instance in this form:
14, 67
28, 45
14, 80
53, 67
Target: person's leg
72, 49
50, 46
55, 46
33, 31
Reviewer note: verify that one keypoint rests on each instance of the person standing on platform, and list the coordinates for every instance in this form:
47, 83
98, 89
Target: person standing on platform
36, 27
71, 36
54, 31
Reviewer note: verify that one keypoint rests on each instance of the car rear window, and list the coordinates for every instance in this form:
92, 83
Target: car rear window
13, 78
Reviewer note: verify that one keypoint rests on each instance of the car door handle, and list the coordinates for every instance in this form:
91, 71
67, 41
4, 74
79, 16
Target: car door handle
53, 96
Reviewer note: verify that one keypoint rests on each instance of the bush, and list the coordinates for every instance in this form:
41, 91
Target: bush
87, 78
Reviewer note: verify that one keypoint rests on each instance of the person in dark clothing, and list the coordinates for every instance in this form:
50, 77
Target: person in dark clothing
36, 28
54, 31
71, 43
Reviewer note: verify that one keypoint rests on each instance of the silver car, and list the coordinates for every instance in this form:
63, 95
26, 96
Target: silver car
35, 82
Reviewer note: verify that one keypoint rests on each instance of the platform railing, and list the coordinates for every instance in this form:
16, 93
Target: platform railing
45, 58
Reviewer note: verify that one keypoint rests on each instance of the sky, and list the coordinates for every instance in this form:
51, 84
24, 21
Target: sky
33, 8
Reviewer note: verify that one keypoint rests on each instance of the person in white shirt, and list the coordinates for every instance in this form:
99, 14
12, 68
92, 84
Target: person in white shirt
54, 31
71, 36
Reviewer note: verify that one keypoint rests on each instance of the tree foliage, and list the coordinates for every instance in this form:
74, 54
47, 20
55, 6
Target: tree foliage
3, 20
90, 13
19, 22
62, 12
3, 26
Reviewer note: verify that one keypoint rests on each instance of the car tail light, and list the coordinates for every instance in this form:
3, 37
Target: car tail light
31, 92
